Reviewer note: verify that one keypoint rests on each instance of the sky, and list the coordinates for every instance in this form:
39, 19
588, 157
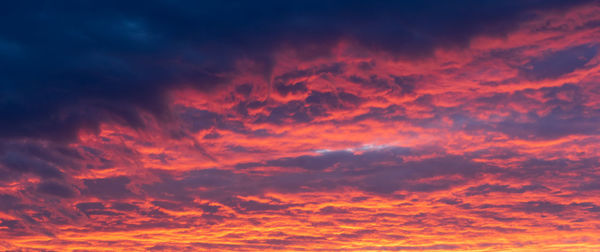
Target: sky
300, 125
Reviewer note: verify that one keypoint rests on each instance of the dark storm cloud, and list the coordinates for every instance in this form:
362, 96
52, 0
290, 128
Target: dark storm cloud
71, 65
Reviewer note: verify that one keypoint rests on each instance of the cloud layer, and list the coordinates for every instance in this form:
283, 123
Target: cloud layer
300, 126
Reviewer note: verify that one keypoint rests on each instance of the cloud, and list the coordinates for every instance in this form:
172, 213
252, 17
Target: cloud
21, 164
284, 126
55, 189
296, 88
559, 63
487, 188
319, 162
108, 188
98, 70
380, 171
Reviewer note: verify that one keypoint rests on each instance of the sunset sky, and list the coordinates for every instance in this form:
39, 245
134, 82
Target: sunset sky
300, 125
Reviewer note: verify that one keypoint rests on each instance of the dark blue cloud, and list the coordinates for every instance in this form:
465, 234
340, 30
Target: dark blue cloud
317, 104
292, 112
20, 163
559, 63
121, 206
94, 208
420, 248
373, 81
246, 206
108, 188
296, 88
56, 189
194, 120
68, 66
309, 162
331, 69
378, 171
491, 188
42, 159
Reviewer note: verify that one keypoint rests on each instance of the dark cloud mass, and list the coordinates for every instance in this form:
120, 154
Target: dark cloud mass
74, 65
562, 62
